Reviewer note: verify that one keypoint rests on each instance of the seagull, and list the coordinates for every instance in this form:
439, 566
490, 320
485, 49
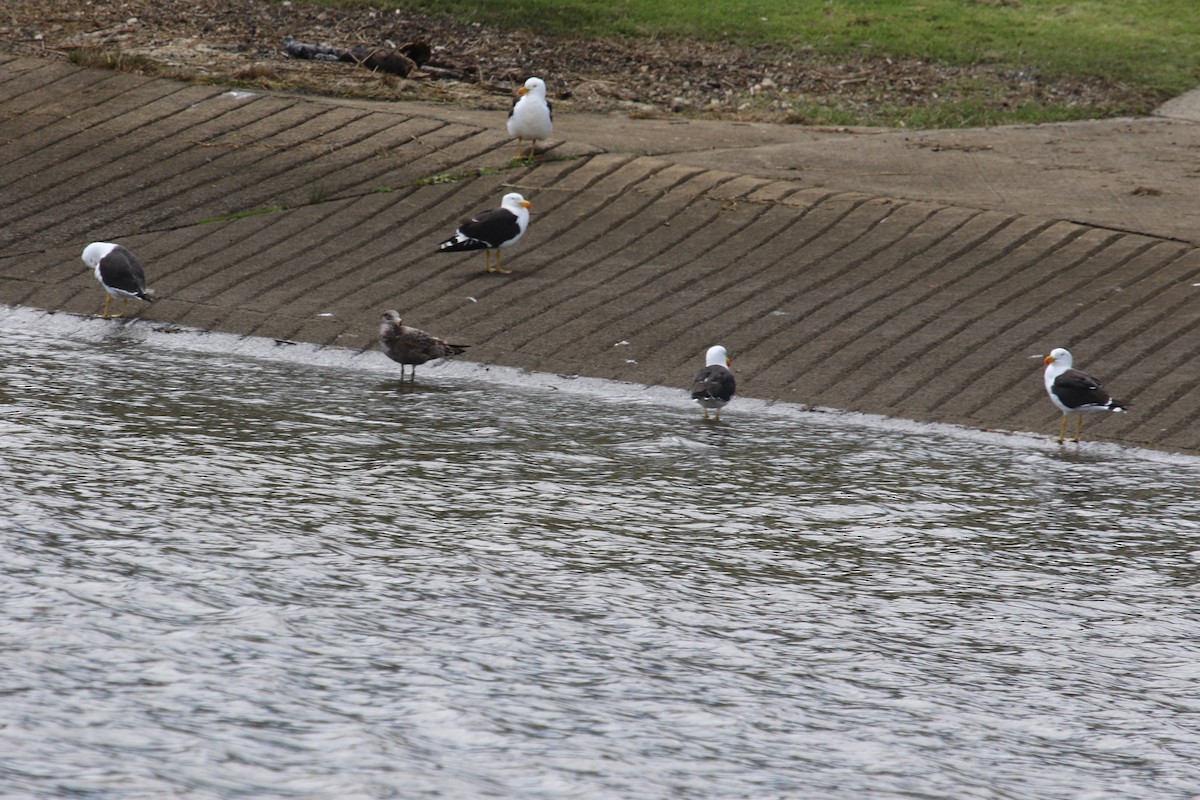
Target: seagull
412, 346
1075, 392
531, 116
119, 272
492, 230
714, 385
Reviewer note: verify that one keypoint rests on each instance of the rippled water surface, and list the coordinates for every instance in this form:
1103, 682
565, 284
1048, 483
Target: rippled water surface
267, 571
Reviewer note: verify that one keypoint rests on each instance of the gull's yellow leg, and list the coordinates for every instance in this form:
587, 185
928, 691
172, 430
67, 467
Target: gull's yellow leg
107, 300
498, 268
1062, 430
1079, 428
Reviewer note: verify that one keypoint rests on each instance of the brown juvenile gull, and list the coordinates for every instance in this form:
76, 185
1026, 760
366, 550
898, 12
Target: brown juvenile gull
1074, 392
119, 272
410, 345
714, 385
492, 230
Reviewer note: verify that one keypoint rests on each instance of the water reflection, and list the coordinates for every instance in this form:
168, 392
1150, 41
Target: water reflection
236, 569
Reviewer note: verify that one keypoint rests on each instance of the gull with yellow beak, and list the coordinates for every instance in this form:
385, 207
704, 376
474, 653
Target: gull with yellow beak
1074, 392
531, 116
492, 230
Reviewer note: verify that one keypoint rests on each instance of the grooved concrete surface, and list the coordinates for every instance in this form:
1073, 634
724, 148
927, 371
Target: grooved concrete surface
906, 301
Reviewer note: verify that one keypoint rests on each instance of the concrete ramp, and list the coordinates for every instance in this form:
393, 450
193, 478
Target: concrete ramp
305, 218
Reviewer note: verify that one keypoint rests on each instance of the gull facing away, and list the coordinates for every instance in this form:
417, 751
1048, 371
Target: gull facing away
1075, 392
492, 230
714, 385
531, 116
119, 272
412, 346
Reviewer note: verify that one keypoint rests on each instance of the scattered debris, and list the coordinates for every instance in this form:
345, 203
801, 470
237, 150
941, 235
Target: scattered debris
938, 147
394, 60
478, 66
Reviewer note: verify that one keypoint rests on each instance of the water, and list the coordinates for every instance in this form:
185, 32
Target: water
239, 569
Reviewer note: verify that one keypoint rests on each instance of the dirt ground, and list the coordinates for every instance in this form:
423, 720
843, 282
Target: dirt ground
240, 41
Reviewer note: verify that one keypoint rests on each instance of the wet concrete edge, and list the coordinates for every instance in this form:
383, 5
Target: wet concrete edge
304, 218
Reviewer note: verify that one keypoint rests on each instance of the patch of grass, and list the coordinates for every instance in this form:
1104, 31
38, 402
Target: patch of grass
101, 58
242, 215
258, 73
1149, 43
972, 113
517, 162
317, 194
965, 102
455, 177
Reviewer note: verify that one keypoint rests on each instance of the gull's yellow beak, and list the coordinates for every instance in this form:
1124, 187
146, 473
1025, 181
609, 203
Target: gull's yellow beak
522, 91
526, 204
729, 362
1048, 360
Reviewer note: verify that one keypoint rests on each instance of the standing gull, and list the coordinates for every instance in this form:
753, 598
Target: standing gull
492, 230
412, 346
119, 272
714, 385
1075, 392
531, 116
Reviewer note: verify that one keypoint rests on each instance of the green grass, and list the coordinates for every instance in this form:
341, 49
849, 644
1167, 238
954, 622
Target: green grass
99, 58
1148, 43
317, 194
455, 177
241, 215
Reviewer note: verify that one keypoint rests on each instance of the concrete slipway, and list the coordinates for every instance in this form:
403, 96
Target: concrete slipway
910, 274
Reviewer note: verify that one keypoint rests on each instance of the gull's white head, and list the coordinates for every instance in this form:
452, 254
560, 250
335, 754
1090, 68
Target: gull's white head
513, 201
717, 356
533, 86
96, 251
1058, 356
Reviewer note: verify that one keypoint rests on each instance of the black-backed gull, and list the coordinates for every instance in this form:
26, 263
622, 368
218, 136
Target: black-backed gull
119, 272
714, 385
1075, 392
492, 230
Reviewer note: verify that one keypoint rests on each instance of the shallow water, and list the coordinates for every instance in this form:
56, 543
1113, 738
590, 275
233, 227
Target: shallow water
239, 569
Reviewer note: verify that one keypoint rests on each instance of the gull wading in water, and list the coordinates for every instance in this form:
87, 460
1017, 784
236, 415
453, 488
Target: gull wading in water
412, 346
714, 385
1074, 392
